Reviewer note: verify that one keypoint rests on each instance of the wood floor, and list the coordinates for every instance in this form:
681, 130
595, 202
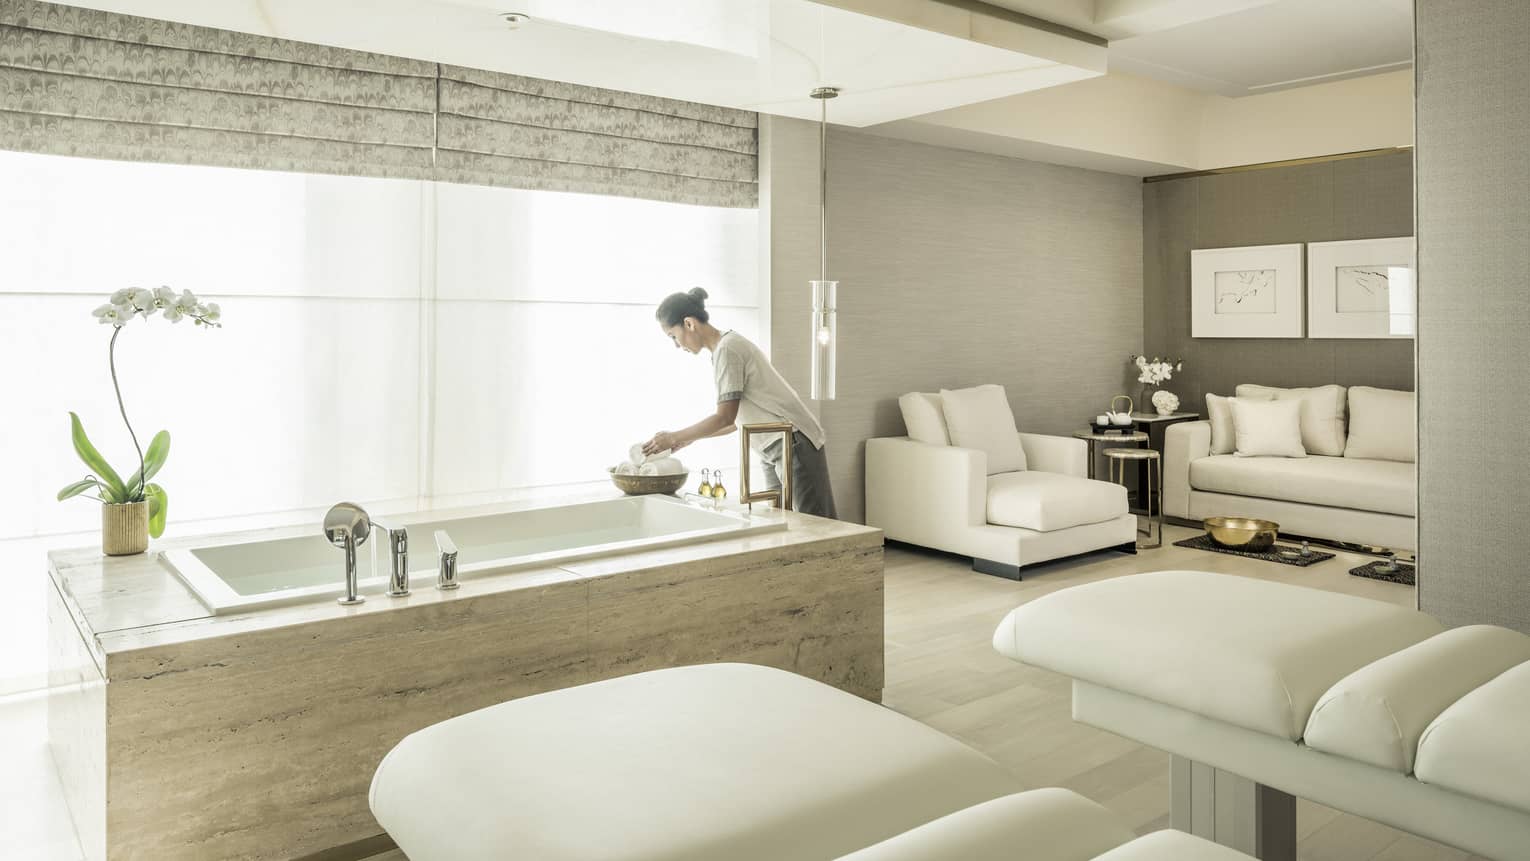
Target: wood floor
942, 671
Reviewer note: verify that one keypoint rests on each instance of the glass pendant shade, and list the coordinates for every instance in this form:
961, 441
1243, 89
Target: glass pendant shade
825, 338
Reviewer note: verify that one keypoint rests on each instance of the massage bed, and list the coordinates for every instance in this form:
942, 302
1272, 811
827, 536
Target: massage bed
1264, 692
728, 761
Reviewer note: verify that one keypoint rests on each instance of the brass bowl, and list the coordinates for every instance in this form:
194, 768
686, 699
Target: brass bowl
640, 485
1242, 533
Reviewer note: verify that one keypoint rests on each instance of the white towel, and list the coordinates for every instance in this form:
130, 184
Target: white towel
664, 466
626, 469
636, 457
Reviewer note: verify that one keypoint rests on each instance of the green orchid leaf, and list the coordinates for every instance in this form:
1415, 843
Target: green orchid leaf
111, 483
153, 459
77, 488
159, 502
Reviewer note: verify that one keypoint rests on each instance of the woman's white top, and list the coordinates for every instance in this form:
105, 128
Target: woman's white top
744, 374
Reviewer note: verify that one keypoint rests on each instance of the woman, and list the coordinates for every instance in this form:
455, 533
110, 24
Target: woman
749, 391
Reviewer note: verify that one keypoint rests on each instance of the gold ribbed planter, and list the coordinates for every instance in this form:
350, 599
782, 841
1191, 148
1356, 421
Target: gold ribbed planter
124, 528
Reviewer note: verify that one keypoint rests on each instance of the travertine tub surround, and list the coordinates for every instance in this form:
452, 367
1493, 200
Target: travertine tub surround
255, 735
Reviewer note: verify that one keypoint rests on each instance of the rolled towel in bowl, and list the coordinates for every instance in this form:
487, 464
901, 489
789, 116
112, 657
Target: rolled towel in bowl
626, 469
648, 469
664, 466
636, 457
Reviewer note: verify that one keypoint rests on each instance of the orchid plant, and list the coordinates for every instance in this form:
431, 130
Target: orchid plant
103, 482
1156, 371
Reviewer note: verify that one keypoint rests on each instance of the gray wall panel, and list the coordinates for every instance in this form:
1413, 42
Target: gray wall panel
1360, 198
1473, 114
956, 269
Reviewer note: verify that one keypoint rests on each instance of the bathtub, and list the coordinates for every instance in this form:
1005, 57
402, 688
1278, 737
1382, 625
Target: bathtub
243, 576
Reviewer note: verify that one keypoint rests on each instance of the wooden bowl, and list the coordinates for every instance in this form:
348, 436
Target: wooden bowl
640, 485
1242, 533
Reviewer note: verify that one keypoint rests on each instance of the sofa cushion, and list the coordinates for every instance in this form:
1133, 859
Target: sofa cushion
1341, 482
1267, 428
1378, 713
1046, 501
980, 418
1382, 425
1219, 413
1254, 654
1480, 746
1052, 824
925, 418
1322, 418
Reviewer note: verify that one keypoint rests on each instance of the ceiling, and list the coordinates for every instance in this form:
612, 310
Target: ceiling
1241, 47
764, 55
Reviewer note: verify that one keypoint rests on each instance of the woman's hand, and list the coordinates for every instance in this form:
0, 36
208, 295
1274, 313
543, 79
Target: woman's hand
663, 441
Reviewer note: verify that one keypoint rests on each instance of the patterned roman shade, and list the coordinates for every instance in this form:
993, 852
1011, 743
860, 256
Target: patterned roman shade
498, 129
87, 83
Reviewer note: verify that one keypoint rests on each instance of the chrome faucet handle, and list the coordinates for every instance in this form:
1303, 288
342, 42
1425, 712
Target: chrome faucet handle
347, 526
446, 576
398, 556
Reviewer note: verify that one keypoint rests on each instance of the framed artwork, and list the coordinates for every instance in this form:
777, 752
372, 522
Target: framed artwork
1362, 288
1249, 292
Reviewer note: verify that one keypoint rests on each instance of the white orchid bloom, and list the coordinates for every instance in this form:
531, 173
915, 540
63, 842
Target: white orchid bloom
143, 299
164, 298
173, 314
106, 314
122, 296
212, 313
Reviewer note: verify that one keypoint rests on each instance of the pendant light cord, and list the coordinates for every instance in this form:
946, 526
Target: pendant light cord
823, 189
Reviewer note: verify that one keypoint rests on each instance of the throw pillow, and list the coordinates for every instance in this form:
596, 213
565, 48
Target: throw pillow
1268, 428
1219, 411
925, 418
1323, 414
980, 418
1383, 425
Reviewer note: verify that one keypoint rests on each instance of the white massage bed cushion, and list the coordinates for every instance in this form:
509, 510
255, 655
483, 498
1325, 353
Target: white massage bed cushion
1378, 713
718, 761
1172, 846
1040, 825
1480, 746
1254, 654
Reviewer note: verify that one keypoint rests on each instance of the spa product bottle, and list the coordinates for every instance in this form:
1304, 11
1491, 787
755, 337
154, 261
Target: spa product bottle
706, 485
718, 491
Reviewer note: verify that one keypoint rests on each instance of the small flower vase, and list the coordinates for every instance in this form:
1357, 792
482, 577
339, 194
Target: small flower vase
124, 528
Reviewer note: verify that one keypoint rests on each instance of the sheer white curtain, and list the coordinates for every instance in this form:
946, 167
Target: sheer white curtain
396, 343
386, 341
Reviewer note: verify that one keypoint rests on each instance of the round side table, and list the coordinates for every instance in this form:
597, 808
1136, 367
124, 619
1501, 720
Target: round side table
1094, 440
1154, 496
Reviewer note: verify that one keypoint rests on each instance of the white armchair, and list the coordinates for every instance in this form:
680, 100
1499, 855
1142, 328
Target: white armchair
941, 496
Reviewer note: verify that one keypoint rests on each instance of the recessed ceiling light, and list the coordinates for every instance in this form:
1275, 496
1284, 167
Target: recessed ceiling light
514, 19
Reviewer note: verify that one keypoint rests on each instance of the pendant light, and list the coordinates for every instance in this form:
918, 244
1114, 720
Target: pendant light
825, 330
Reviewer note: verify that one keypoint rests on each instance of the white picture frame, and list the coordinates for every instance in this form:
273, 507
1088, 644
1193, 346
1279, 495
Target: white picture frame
1250, 292
1361, 288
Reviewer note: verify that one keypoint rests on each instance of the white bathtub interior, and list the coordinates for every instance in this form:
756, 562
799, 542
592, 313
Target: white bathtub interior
249, 575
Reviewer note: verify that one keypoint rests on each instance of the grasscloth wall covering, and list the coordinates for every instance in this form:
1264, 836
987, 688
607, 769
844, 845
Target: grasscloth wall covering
1474, 308
1360, 198
88, 83
956, 269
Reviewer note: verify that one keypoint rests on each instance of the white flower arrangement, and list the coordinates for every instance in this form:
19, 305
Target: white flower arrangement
104, 482
1157, 371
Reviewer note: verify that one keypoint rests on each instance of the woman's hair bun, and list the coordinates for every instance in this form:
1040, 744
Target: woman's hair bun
697, 293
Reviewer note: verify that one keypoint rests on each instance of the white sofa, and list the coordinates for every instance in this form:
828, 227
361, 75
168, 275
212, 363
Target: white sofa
1357, 500
1357, 704
941, 495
